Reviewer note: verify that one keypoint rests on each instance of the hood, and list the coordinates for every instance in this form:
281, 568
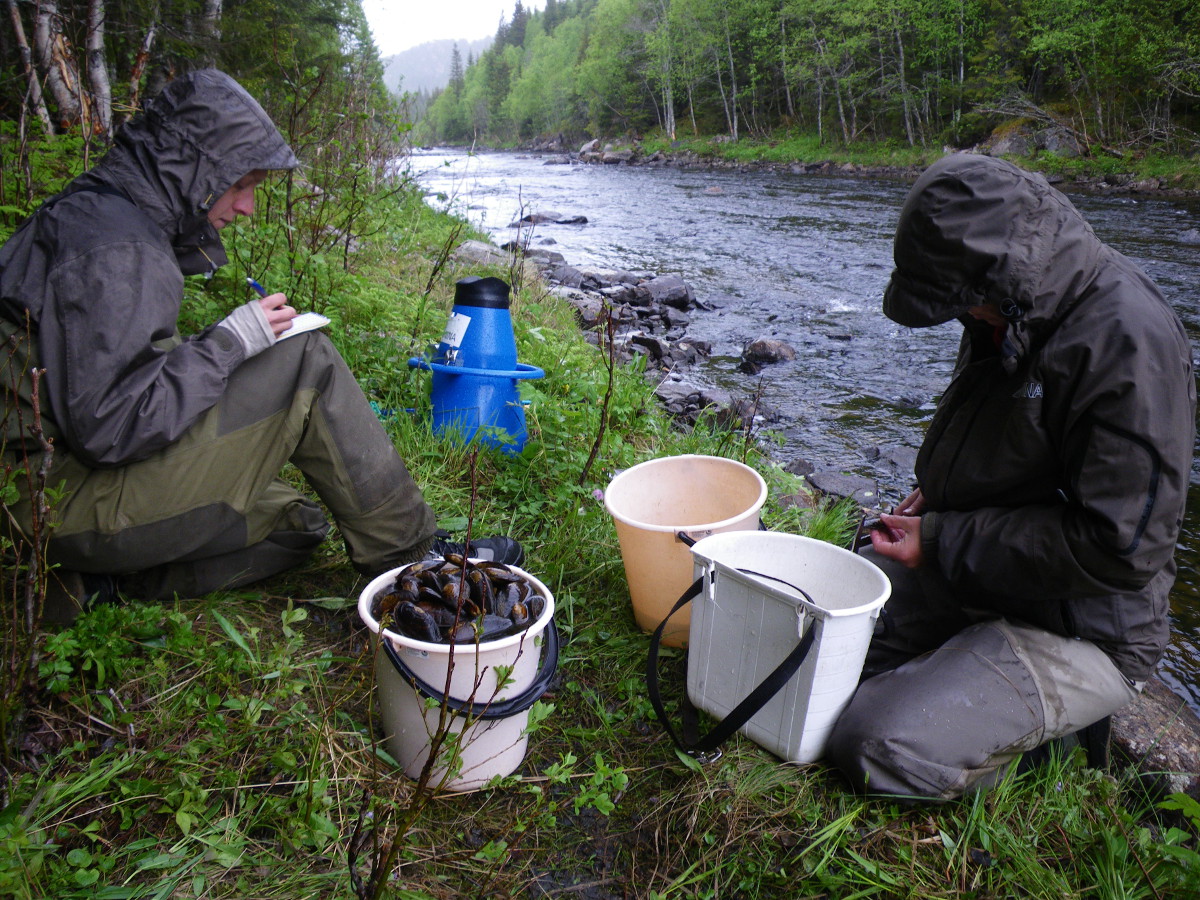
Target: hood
975, 230
193, 141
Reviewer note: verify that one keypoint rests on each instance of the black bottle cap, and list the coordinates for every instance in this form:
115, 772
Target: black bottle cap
490, 293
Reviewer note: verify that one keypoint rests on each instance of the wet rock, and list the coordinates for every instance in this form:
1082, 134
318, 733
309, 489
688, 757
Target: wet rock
744, 413
568, 276
591, 146
618, 293
799, 466
839, 485
1160, 737
589, 310
768, 350
648, 344
595, 279
671, 290
537, 218
898, 462
537, 254
615, 157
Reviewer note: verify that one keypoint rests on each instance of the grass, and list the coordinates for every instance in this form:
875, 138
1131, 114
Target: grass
229, 746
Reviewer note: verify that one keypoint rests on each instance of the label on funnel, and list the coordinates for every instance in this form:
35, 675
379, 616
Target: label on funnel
456, 329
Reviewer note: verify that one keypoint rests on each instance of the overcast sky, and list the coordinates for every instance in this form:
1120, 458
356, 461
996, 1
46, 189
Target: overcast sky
399, 24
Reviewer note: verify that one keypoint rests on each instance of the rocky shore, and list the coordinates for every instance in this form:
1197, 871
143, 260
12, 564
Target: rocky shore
1015, 143
1158, 735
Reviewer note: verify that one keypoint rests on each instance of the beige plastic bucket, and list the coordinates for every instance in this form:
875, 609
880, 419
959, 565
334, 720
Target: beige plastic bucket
485, 741
654, 501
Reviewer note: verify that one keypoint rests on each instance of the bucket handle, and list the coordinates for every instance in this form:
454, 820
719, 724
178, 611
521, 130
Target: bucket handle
496, 709
706, 749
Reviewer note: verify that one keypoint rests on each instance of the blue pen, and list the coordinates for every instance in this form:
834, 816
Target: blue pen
261, 291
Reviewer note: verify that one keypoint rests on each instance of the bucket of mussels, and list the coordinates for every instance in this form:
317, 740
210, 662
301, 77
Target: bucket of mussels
466, 647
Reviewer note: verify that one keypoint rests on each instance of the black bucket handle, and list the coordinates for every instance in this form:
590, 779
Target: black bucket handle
706, 748
496, 709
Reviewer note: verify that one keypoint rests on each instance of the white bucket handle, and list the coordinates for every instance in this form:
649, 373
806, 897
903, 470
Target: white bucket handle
496, 709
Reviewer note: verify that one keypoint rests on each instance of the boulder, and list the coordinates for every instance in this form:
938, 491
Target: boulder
670, 290
614, 157
1159, 735
568, 276
768, 350
483, 253
840, 485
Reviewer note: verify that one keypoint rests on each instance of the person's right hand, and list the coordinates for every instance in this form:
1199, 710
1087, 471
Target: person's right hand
912, 505
279, 314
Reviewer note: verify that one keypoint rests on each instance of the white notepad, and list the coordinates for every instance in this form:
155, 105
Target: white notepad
304, 322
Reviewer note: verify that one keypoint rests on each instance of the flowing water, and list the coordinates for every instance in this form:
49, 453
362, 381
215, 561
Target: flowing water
805, 258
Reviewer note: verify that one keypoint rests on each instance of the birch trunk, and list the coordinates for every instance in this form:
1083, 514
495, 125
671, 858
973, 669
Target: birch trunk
37, 102
58, 69
101, 104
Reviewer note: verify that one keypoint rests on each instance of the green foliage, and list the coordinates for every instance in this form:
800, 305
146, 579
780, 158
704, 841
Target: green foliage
926, 72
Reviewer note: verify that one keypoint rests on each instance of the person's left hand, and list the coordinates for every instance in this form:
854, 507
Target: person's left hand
279, 314
900, 540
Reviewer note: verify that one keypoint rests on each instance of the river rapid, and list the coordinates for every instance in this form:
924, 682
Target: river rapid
805, 259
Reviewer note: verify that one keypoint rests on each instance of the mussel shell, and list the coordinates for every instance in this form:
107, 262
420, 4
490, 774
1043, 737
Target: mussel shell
482, 628
443, 617
505, 599
481, 590
416, 623
455, 590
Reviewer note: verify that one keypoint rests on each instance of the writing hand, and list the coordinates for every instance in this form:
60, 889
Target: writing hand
279, 314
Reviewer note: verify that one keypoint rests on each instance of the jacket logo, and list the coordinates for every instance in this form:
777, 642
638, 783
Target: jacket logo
1031, 391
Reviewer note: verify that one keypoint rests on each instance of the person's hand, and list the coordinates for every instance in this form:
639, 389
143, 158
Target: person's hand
912, 505
279, 314
900, 538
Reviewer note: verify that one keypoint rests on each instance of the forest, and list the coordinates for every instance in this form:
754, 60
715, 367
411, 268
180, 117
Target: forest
1115, 75
74, 70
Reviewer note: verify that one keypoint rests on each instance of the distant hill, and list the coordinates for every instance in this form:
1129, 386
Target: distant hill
427, 66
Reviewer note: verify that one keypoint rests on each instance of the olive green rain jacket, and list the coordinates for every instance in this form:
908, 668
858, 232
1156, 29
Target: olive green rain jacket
1056, 466
99, 272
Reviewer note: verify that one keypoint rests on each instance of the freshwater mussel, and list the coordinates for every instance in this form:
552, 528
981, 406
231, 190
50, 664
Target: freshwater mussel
456, 601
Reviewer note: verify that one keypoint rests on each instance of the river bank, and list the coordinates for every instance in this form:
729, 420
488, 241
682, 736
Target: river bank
1047, 150
653, 317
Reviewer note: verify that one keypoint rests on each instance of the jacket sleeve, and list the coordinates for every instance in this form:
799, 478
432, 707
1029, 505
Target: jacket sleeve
115, 391
1123, 419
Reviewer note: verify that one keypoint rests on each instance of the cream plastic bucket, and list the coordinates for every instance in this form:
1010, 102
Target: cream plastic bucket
751, 615
651, 503
478, 747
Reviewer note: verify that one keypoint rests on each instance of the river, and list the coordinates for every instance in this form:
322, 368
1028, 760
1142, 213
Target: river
805, 258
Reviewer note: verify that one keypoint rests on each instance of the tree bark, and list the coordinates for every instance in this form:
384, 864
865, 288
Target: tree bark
97, 68
57, 65
36, 101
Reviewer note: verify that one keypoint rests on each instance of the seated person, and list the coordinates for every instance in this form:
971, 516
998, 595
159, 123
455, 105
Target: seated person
170, 449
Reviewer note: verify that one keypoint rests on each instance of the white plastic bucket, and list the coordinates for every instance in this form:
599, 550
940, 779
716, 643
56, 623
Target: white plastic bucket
652, 502
743, 625
478, 748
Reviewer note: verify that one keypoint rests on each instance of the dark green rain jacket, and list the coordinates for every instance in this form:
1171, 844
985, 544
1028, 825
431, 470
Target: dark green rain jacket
1057, 463
99, 272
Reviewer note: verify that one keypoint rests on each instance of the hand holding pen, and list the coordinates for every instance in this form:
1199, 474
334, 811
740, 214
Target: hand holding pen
279, 314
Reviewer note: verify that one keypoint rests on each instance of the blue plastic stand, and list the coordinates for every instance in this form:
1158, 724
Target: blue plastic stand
475, 368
